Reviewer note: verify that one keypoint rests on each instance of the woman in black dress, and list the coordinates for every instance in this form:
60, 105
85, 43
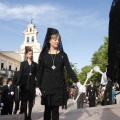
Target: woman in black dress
27, 81
50, 77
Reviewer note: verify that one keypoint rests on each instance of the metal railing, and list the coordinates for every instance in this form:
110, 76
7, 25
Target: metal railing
7, 73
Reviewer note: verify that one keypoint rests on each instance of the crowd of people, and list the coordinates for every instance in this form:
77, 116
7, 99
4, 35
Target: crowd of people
96, 95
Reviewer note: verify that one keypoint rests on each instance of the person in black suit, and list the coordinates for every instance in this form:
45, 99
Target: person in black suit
1, 84
27, 81
7, 98
91, 94
17, 94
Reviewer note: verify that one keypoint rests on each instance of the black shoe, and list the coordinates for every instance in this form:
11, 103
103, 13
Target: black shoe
25, 118
20, 112
29, 118
15, 111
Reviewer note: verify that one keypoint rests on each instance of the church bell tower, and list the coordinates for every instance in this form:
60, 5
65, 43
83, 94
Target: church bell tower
30, 39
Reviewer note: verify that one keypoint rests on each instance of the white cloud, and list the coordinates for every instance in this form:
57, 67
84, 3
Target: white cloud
47, 14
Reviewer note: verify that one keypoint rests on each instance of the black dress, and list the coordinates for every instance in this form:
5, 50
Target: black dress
27, 82
52, 81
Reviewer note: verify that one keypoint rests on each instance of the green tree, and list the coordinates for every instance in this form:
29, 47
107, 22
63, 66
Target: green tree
99, 58
83, 74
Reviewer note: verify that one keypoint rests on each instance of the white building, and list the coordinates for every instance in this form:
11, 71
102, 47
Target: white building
30, 40
9, 62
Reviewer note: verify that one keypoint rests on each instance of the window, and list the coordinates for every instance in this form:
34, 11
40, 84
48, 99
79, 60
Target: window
30, 29
16, 68
2, 66
27, 39
9, 67
32, 38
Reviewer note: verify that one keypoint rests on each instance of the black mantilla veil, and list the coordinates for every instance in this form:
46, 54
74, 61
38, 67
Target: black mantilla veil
46, 44
113, 70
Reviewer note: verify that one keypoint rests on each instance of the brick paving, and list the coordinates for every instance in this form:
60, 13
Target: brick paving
111, 112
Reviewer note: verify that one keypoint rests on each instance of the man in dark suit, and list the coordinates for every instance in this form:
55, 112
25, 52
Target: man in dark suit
91, 94
7, 98
17, 96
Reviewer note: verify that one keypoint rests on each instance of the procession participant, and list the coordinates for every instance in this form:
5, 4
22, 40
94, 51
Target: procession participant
27, 81
7, 98
50, 78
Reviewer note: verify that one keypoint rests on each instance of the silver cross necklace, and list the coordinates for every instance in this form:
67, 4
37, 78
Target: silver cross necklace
53, 60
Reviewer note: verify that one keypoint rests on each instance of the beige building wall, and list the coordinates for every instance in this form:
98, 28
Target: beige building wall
8, 60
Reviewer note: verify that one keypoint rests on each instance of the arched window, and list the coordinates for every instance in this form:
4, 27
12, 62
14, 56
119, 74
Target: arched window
27, 39
32, 38
30, 29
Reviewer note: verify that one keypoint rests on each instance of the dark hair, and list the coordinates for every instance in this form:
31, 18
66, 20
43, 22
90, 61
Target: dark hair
28, 49
8, 80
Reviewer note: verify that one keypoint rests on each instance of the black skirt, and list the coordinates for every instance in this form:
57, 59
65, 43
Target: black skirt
28, 91
52, 100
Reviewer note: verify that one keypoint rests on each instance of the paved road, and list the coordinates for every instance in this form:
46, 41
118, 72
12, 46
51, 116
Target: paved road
40, 108
111, 112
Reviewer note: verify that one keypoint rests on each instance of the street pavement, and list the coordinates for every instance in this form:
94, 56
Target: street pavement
110, 112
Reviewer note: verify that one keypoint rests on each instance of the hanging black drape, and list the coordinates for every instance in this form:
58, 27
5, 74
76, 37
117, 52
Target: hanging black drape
113, 70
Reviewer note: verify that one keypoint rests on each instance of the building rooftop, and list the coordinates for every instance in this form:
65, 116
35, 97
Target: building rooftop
12, 55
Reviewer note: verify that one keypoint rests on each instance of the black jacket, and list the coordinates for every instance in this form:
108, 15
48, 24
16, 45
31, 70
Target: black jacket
53, 80
6, 96
24, 73
92, 92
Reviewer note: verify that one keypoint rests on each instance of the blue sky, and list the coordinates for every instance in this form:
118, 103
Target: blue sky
81, 23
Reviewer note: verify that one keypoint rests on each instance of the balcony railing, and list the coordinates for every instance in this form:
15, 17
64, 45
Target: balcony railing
7, 73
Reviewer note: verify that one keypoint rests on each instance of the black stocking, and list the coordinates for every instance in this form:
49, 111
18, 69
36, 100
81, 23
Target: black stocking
25, 108
30, 107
